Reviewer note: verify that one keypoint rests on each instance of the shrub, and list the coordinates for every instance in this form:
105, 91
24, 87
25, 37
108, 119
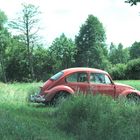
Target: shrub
118, 72
133, 69
98, 118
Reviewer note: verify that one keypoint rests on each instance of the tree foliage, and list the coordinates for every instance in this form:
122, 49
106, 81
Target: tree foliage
90, 43
27, 25
3, 19
132, 2
135, 50
62, 51
24, 58
17, 66
43, 63
117, 54
4, 39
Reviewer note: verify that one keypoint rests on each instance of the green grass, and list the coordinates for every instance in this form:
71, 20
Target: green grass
20, 119
134, 83
79, 118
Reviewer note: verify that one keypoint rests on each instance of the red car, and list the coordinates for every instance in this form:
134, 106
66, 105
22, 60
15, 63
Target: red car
84, 80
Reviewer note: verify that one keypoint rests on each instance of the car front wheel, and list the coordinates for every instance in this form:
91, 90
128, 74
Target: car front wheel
133, 97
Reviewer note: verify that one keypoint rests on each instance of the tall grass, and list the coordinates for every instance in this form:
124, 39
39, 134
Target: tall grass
79, 118
99, 118
16, 93
21, 120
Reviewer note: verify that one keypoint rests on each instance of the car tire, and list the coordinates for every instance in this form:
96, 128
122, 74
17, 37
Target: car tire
60, 97
133, 97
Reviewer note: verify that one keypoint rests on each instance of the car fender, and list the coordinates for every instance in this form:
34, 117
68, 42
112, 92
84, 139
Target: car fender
51, 93
129, 91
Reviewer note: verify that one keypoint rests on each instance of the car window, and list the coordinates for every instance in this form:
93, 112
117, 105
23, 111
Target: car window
99, 78
57, 76
72, 78
77, 77
107, 80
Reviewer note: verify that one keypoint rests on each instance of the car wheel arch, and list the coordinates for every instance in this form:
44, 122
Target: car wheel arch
129, 94
133, 96
52, 92
60, 88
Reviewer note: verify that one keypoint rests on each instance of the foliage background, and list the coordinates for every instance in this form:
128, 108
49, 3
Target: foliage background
24, 58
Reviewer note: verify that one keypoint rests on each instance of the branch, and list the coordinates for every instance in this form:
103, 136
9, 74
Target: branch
132, 2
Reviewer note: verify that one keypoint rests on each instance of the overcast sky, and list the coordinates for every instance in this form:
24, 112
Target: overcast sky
120, 20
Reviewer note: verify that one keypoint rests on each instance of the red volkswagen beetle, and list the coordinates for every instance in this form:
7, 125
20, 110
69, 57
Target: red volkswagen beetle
83, 80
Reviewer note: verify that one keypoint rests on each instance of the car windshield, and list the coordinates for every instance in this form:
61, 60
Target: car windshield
57, 76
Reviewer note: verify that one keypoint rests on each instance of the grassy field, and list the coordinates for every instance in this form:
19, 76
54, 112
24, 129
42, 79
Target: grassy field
80, 118
134, 83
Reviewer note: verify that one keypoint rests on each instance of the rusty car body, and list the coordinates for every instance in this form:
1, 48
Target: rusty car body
83, 80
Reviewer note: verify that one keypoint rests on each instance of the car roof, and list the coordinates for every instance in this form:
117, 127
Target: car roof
83, 69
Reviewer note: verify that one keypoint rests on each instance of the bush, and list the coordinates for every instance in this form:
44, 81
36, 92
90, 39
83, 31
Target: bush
118, 72
133, 69
98, 118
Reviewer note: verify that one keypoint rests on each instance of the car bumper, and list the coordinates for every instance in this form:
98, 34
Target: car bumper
37, 98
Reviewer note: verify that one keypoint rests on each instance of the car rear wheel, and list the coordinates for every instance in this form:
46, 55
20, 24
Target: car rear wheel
60, 97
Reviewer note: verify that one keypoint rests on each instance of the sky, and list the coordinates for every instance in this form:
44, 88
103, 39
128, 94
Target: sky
120, 20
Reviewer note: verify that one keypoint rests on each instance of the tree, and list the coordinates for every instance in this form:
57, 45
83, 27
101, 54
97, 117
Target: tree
16, 66
3, 43
117, 54
43, 63
135, 50
27, 25
3, 19
62, 51
132, 2
90, 44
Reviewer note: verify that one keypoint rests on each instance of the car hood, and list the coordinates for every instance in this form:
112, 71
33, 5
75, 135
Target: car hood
124, 86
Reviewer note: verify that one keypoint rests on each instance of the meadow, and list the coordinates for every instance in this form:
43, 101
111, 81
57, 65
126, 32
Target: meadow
79, 118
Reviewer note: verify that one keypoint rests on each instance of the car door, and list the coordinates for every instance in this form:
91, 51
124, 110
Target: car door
78, 81
101, 83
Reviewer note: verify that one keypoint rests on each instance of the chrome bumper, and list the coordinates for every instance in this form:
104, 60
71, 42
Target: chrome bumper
37, 98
